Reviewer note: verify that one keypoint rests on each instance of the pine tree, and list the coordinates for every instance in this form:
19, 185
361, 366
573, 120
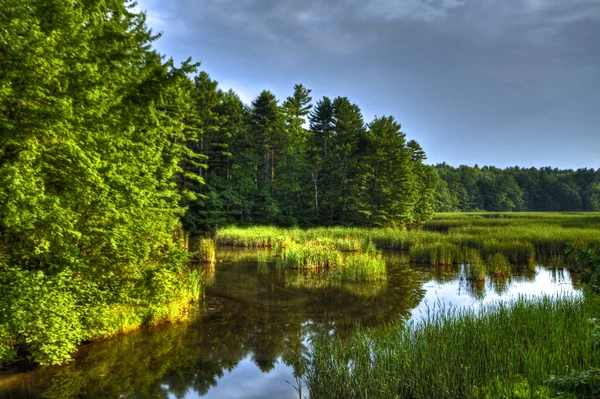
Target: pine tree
320, 142
389, 176
267, 126
426, 183
293, 178
343, 187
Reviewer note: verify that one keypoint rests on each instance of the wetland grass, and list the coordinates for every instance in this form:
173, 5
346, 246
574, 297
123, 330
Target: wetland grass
497, 265
506, 350
436, 253
207, 251
475, 269
311, 254
320, 255
521, 238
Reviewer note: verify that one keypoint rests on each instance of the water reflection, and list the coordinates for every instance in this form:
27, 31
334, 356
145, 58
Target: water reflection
256, 324
458, 292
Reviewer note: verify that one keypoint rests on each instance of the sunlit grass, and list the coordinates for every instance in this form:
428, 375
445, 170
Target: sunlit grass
450, 238
349, 266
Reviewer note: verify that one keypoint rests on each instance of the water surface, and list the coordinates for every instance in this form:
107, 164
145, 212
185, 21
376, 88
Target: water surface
255, 326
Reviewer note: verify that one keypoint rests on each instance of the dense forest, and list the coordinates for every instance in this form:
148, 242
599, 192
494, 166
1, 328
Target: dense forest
517, 189
298, 164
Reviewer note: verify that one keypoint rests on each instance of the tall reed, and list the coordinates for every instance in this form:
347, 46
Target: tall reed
506, 350
207, 251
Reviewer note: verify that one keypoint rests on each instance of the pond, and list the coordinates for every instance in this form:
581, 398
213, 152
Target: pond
255, 325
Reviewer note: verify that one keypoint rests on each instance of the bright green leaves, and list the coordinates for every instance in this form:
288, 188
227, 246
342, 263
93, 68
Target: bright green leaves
94, 161
40, 312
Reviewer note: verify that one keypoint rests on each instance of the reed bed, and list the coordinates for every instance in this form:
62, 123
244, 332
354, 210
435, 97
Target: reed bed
437, 253
349, 266
257, 236
475, 271
497, 265
313, 255
521, 238
506, 350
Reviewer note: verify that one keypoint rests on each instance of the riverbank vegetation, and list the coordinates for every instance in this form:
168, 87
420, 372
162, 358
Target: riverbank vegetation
496, 239
505, 350
94, 176
525, 348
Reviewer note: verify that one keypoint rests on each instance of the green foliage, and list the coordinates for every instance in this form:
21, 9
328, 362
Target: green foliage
40, 312
264, 166
94, 167
515, 388
390, 184
578, 384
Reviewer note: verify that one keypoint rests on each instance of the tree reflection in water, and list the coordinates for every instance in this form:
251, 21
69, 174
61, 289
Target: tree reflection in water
252, 311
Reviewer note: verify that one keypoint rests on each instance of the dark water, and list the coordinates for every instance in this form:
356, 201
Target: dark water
255, 325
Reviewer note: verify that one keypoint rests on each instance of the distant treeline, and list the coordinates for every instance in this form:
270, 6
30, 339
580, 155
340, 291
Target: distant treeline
517, 189
292, 163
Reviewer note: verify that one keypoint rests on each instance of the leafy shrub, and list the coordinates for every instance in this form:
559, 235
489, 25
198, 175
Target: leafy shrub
40, 313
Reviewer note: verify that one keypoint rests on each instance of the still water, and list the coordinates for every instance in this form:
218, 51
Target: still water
256, 324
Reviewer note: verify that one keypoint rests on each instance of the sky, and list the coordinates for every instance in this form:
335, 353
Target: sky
487, 82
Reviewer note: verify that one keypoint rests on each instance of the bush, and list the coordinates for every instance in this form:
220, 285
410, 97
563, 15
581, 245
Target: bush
40, 313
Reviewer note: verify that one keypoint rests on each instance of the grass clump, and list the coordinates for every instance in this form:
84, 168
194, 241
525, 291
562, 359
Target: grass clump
498, 265
350, 266
312, 254
365, 266
502, 351
475, 270
207, 251
438, 253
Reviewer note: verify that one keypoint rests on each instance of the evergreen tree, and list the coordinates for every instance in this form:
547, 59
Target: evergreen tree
293, 179
320, 143
517, 189
267, 127
343, 185
237, 188
426, 183
389, 177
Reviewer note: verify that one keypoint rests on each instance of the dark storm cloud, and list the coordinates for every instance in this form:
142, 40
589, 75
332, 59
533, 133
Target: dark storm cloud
490, 81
